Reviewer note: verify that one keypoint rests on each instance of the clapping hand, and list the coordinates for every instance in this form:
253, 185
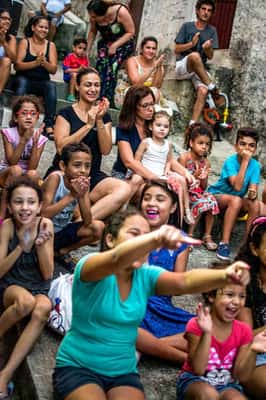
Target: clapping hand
92, 114
207, 44
80, 186
103, 106
259, 342
159, 61
195, 39
204, 318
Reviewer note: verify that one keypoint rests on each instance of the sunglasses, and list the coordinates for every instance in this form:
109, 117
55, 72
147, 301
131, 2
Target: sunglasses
25, 113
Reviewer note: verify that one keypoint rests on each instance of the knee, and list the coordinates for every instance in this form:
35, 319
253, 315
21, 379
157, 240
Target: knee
97, 228
41, 311
6, 62
122, 191
202, 92
25, 306
136, 180
33, 174
208, 392
236, 202
194, 57
15, 171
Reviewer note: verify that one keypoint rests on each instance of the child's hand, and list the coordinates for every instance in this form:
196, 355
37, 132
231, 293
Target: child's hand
252, 194
204, 173
27, 134
246, 154
238, 272
44, 235
36, 135
259, 342
79, 186
172, 238
204, 318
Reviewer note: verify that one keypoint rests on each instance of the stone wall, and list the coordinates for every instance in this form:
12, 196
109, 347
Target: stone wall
248, 44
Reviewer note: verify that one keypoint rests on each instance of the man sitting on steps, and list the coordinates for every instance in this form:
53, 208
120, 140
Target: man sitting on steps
195, 43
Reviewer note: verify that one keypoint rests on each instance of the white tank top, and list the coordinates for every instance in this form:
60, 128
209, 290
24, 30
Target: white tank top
155, 157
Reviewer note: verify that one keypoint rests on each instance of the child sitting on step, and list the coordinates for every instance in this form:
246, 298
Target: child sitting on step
240, 176
65, 191
23, 144
73, 63
199, 144
155, 154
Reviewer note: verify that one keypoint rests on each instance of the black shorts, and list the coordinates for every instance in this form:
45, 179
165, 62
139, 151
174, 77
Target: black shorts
68, 379
67, 236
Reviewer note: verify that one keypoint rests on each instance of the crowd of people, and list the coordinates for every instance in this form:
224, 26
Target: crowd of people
142, 216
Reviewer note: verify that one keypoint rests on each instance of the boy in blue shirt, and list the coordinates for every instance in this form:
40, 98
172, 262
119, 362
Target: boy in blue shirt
240, 176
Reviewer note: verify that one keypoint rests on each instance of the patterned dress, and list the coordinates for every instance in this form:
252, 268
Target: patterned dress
200, 200
162, 317
108, 66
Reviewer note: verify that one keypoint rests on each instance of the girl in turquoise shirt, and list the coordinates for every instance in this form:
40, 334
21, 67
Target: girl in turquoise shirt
96, 359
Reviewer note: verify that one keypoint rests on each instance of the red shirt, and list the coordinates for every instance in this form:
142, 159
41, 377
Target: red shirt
72, 61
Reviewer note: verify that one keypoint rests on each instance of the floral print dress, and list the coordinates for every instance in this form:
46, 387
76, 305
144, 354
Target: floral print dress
200, 200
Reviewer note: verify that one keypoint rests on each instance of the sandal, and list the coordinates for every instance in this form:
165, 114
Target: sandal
67, 262
209, 243
10, 390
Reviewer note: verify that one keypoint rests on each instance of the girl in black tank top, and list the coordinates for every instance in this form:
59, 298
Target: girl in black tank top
27, 266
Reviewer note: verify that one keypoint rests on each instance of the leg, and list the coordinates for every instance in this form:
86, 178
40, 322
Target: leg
136, 183
171, 348
87, 234
40, 312
23, 86
72, 83
49, 94
232, 393
52, 32
195, 64
86, 392
207, 238
202, 92
9, 174
232, 205
201, 391
125, 393
256, 385
5, 64
253, 209
108, 196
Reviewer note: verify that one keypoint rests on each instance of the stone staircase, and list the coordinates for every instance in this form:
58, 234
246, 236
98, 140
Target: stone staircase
158, 377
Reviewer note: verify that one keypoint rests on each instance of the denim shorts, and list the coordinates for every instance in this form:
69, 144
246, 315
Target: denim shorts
261, 359
68, 379
186, 378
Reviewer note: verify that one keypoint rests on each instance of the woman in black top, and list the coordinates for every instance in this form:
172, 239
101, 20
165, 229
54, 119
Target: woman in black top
7, 47
116, 44
87, 121
36, 60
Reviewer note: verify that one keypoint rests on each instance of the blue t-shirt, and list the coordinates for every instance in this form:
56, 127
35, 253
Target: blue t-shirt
103, 332
132, 137
186, 33
230, 168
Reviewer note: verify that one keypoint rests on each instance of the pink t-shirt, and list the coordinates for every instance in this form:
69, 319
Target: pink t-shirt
12, 136
222, 355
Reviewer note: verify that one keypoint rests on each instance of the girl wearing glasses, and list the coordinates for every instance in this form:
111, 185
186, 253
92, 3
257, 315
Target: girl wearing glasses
23, 144
7, 47
254, 312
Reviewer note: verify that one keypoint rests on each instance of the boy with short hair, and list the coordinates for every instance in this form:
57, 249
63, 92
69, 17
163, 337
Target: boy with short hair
63, 192
73, 63
240, 175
